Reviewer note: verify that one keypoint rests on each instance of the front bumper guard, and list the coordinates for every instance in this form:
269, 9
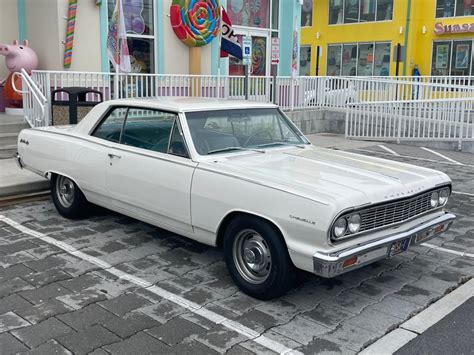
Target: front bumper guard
333, 264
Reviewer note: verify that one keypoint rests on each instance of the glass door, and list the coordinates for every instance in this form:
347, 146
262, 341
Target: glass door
260, 55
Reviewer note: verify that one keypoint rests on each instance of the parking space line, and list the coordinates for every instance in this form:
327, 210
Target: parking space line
442, 156
462, 193
446, 250
388, 150
189, 305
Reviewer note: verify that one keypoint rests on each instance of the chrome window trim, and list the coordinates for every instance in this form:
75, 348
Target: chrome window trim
332, 241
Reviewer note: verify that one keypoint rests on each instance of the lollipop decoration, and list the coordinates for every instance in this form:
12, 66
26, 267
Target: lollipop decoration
71, 24
195, 22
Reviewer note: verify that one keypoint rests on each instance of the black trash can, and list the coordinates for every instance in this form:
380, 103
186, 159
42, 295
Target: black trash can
75, 106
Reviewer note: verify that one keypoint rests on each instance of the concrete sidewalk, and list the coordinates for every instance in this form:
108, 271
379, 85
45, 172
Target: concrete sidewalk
16, 181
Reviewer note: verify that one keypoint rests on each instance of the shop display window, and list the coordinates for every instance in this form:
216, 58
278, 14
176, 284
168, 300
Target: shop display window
361, 59
354, 11
452, 58
305, 60
382, 59
307, 13
139, 24
454, 8
334, 60
249, 13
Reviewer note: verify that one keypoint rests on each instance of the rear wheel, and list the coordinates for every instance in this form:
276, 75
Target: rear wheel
67, 197
257, 258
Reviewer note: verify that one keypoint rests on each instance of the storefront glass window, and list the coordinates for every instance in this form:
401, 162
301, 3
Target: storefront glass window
351, 11
335, 11
249, 13
138, 17
382, 59
365, 60
307, 13
367, 10
384, 10
461, 58
334, 60
451, 8
349, 60
464, 8
259, 58
441, 58
305, 60
142, 56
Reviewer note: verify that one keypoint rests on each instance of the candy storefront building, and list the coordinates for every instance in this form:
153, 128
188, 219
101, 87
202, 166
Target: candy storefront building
152, 43
360, 37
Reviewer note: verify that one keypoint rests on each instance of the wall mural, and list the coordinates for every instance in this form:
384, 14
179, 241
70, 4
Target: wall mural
196, 23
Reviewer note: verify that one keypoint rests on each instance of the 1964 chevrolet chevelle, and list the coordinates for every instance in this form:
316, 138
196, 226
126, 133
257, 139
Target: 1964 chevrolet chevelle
242, 176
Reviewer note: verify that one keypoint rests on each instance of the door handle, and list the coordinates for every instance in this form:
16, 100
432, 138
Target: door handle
114, 156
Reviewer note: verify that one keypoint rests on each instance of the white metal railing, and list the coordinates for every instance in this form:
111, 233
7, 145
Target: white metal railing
34, 102
449, 119
336, 93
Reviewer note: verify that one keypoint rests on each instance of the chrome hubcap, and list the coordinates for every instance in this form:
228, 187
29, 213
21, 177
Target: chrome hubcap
65, 190
252, 256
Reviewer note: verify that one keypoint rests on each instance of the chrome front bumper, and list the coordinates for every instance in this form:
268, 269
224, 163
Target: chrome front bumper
348, 259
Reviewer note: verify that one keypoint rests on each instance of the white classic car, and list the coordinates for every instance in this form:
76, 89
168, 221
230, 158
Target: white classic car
239, 175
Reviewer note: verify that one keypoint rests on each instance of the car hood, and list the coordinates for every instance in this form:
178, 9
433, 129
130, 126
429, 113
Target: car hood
330, 175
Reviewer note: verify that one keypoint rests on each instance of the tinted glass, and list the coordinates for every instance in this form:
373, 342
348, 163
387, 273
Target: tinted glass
464, 8
307, 13
148, 129
305, 60
334, 60
349, 60
382, 59
384, 10
351, 11
111, 126
366, 59
367, 10
335, 11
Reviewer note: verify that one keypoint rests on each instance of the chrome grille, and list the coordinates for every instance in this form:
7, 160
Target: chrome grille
394, 212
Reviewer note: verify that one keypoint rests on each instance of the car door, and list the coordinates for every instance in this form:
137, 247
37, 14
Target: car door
149, 173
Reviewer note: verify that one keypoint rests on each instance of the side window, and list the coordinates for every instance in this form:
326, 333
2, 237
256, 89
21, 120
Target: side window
111, 126
148, 129
177, 146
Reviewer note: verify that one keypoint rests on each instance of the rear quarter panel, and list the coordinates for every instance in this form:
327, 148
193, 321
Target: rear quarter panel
55, 152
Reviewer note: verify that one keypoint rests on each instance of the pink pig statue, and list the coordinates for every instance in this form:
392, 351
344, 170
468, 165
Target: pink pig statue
17, 57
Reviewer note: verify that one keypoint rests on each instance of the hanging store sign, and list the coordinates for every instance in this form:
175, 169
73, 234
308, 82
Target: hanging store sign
441, 29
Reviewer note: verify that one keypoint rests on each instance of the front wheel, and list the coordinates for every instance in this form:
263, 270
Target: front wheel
67, 197
257, 258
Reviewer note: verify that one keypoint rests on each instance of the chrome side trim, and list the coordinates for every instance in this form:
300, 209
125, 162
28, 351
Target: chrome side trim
328, 264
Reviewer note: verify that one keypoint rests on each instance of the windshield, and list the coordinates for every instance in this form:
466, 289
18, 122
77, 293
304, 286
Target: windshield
236, 130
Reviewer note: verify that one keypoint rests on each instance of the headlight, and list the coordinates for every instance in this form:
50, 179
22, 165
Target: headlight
340, 227
354, 223
443, 196
434, 199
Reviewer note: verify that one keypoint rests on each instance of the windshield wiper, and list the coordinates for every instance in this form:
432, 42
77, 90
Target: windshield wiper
279, 143
228, 149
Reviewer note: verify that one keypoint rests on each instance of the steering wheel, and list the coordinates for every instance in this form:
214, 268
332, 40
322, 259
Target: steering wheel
256, 134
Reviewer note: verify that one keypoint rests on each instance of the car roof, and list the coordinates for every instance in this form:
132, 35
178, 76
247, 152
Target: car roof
187, 104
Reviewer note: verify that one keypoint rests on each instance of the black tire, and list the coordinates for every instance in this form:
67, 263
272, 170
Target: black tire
75, 206
256, 233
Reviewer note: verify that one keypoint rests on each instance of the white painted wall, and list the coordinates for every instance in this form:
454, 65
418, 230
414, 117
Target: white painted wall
46, 30
8, 29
